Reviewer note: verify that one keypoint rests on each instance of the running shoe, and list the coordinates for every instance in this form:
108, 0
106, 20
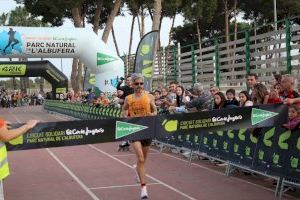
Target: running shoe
144, 193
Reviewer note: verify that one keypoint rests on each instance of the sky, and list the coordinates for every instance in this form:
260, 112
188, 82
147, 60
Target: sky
121, 25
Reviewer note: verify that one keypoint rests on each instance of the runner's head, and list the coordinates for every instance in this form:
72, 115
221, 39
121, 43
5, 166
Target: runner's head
137, 82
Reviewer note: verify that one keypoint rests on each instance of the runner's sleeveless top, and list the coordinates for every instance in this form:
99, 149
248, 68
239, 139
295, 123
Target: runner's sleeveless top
139, 107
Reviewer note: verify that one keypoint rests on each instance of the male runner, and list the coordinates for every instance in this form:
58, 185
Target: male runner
140, 104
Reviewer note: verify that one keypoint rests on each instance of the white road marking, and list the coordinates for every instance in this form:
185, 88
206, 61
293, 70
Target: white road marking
151, 177
121, 186
84, 187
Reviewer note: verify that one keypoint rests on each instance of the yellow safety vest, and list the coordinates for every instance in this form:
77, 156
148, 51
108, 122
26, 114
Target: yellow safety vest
4, 169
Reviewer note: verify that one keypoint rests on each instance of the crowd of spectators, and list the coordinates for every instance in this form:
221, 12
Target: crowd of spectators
177, 99
10, 99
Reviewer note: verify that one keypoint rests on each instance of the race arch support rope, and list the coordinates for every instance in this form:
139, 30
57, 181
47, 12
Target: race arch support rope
52, 42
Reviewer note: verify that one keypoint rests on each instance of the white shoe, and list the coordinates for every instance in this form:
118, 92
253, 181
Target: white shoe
144, 193
136, 176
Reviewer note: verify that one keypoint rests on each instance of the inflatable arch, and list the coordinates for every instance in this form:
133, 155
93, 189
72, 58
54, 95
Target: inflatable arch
44, 69
46, 42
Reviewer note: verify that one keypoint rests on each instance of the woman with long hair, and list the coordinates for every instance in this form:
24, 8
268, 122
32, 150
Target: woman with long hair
245, 99
219, 100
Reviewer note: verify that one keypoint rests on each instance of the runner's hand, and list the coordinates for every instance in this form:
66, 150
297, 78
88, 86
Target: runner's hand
8, 124
31, 123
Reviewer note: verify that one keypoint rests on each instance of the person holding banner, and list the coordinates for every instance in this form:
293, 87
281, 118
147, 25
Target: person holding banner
140, 104
7, 134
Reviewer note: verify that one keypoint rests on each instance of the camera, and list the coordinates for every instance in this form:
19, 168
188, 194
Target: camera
122, 78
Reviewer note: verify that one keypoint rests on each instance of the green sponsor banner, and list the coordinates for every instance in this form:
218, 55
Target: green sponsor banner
12, 69
61, 90
103, 59
144, 58
259, 115
123, 129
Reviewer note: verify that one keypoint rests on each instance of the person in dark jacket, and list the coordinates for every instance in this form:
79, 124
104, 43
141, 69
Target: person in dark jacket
127, 90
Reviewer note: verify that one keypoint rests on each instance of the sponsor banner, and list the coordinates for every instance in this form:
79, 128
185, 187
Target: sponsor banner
278, 152
85, 132
68, 133
145, 57
227, 119
61, 90
12, 69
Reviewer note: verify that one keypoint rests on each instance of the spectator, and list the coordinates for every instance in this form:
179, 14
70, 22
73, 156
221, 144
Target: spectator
231, 101
213, 90
276, 79
171, 98
115, 101
181, 100
90, 96
203, 100
103, 99
251, 82
127, 88
219, 100
287, 85
157, 99
260, 94
275, 94
245, 99
294, 118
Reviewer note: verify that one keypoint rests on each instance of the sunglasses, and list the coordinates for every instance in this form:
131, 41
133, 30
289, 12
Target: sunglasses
139, 83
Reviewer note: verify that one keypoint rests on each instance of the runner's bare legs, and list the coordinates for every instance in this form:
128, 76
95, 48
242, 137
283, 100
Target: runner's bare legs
141, 154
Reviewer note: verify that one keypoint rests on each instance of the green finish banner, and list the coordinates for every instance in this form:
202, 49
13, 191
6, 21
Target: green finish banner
12, 69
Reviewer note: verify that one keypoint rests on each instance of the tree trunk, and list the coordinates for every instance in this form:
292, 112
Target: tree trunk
14, 83
75, 77
172, 26
79, 77
156, 14
226, 20
76, 15
74, 74
131, 37
99, 4
198, 34
199, 41
42, 82
139, 25
160, 22
155, 23
115, 41
142, 22
110, 20
235, 22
